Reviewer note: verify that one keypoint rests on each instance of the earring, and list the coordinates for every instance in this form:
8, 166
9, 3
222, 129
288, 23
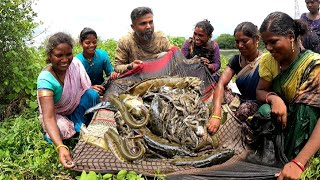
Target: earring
257, 44
292, 46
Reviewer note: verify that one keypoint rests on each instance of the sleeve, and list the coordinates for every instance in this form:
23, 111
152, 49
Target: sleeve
265, 68
216, 57
108, 69
43, 82
121, 57
234, 64
166, 44
185, 49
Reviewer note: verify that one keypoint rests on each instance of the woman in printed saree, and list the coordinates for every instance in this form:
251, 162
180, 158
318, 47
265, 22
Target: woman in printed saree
64, 94
290, 83
245, 66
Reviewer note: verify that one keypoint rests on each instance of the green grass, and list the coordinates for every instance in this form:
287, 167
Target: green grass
225, 56
23, 152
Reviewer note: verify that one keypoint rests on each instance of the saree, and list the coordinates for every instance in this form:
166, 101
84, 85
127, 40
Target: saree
76, 83
299, 87
247, 81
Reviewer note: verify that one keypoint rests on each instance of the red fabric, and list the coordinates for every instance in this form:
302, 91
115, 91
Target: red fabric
150, 67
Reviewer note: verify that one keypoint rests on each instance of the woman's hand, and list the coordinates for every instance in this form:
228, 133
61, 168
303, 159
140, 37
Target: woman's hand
65, 158
279, 109
213, 125
114, 75
100, 89
207, 62
289, 171
204, 60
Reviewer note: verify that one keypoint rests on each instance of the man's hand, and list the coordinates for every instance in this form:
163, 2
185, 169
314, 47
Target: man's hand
114, 75
136, 63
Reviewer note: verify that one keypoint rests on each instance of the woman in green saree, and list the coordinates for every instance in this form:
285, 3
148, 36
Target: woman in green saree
290, 83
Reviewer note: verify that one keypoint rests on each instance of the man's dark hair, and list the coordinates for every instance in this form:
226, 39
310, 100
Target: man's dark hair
139, 12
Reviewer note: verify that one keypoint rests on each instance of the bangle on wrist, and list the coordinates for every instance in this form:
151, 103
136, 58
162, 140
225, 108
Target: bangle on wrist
216, 117
268, 94
61, 145
299, 164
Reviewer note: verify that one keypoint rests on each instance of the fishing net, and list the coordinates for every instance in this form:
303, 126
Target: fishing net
89, 157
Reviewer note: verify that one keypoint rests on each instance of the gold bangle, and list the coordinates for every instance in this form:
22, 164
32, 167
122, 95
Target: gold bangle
269, 94
217, 117
61, 145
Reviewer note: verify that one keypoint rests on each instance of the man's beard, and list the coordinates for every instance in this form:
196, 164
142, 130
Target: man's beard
146, 36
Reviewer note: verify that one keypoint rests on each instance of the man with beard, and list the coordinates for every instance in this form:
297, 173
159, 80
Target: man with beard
141, 44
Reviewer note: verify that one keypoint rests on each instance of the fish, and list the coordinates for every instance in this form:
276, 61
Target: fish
102, 105
214, 158
162, 145
120, 149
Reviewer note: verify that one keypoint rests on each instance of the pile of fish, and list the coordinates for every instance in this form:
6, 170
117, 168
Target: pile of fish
164, 118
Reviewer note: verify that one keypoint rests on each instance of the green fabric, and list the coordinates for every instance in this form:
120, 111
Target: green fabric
47, 81
301, 121
285, 76
293, 81
302, 117
265, 111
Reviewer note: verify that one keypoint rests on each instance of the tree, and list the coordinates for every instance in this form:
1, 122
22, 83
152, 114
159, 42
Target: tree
17, 61
176, 41
226, 41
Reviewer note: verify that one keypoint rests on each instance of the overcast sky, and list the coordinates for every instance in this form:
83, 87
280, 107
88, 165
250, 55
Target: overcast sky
111, 19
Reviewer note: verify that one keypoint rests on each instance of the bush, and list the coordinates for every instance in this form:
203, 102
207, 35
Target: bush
177, 41
313, 170
18, 63
226, 41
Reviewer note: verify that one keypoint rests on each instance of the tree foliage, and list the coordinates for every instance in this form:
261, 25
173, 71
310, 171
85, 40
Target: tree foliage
18, 62
177, 41
226, 41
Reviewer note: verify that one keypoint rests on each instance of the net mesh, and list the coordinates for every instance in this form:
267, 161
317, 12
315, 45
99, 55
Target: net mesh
91, 158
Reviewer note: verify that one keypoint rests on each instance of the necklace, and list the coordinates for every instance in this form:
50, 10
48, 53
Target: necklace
90, 60
59, 79
250, 63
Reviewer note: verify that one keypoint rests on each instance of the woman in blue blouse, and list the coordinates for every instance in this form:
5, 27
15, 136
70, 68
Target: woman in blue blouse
95, 61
